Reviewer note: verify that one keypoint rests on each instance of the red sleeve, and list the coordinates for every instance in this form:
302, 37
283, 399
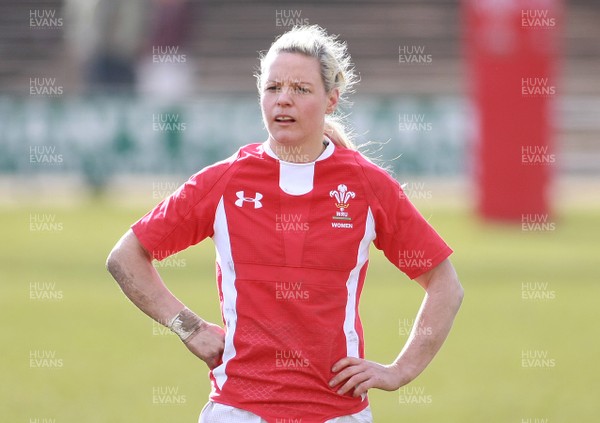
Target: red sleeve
186, 217
404, 236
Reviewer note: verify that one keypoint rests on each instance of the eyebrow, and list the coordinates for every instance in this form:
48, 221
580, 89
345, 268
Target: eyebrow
271, 81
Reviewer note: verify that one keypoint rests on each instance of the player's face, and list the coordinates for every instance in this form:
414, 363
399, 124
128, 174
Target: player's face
294, 101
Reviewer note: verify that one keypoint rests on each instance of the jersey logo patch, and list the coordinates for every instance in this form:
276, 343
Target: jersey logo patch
342, 197
242, 199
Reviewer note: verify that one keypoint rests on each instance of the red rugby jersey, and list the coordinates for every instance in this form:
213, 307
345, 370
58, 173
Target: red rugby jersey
292, 243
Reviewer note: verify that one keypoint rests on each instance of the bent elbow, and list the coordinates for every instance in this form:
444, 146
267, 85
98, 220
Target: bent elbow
459, 293
115, 266
112, 261
126, 249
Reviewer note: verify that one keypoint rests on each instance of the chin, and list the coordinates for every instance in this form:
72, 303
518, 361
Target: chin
285, 139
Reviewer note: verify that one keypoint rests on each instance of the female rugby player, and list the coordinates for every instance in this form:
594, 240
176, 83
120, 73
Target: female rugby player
292, 219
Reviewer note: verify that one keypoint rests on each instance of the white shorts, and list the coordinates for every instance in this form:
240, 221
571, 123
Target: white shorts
214, 412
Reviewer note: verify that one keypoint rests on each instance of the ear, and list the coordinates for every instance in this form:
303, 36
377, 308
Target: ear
332, 100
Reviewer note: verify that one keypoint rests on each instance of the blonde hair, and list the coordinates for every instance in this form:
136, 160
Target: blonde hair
337, 70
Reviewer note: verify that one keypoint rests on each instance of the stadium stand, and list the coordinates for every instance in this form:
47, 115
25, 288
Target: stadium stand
226, 36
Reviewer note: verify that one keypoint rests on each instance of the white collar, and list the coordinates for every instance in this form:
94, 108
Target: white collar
329, 149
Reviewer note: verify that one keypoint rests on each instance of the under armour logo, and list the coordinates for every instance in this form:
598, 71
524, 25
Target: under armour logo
241, 198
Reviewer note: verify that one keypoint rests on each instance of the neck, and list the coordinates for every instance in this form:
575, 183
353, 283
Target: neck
303, 153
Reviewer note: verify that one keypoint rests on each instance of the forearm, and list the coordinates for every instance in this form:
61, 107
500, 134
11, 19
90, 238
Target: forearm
132, 268
432, 325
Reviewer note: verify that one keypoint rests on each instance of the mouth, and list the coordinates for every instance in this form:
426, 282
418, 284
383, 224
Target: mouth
284, 119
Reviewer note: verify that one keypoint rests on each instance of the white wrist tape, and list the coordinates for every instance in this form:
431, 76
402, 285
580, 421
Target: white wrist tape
185, 323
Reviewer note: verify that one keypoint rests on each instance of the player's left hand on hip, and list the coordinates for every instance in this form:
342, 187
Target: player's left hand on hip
357, 376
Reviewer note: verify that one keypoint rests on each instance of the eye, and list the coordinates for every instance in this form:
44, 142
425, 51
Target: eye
272, 88
300, 89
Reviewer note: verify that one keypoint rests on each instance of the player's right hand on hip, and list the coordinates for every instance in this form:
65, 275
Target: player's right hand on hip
207, 343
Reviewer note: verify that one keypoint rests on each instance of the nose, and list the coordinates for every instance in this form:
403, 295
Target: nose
285, 96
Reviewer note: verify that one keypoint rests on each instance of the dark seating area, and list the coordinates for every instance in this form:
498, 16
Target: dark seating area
224, 38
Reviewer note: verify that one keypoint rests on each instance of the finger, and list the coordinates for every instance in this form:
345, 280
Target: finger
212, 364
353, 382
363, 388
344, 374
354, 366
345, 362
357, 375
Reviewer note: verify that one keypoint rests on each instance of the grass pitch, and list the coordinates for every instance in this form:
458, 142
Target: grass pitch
524, 345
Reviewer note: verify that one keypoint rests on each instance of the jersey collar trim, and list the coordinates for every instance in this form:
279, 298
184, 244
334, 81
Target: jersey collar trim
328, 152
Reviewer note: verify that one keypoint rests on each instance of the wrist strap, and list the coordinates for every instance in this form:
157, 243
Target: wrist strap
185, 323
